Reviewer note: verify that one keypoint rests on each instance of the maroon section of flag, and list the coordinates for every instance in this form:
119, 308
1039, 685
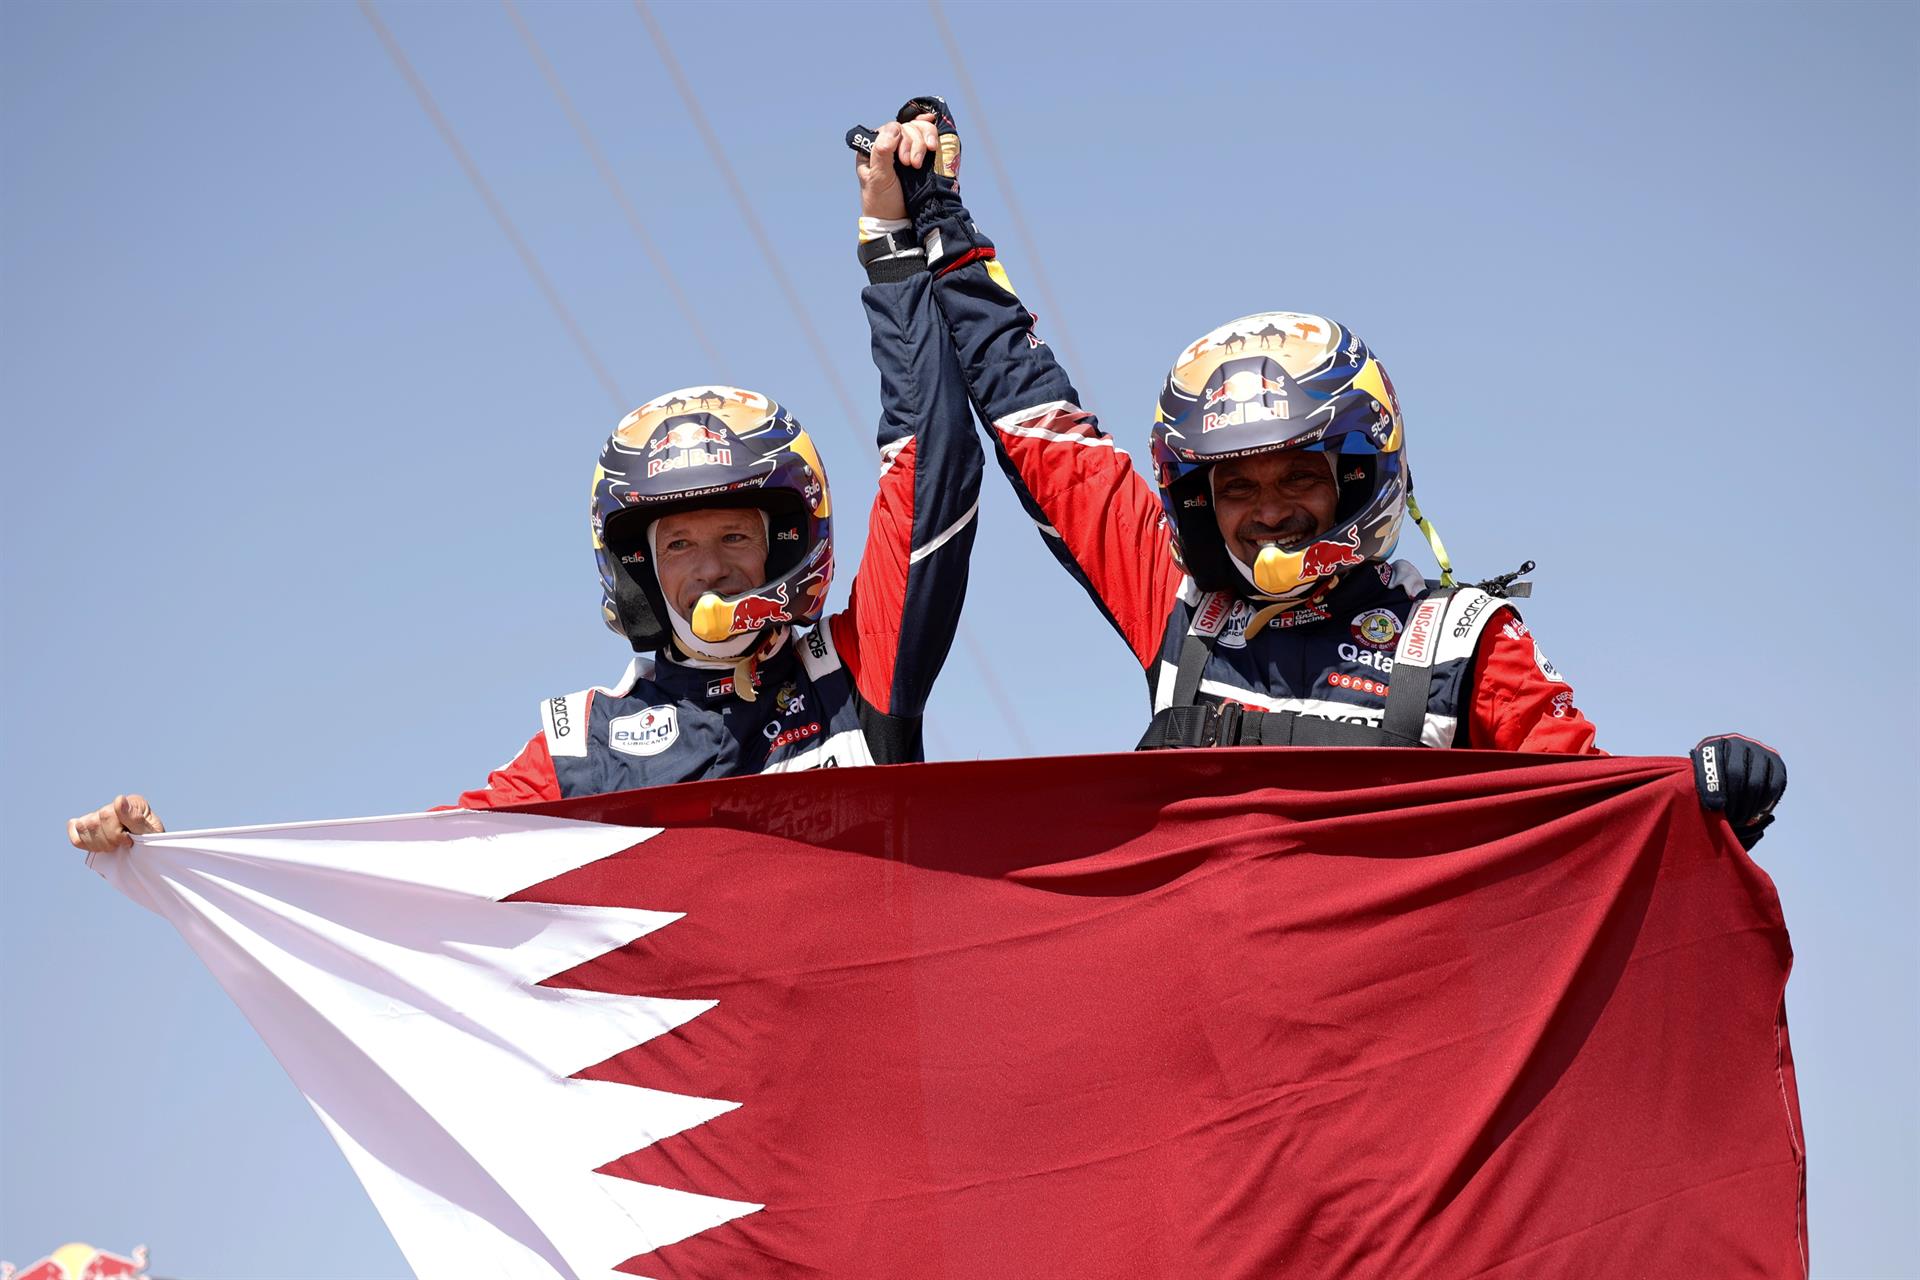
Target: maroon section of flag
1249, 1013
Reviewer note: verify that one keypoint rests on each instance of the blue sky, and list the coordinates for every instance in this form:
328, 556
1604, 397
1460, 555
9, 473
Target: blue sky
294, 516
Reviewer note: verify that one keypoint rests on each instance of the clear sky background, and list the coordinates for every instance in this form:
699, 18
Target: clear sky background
297, 453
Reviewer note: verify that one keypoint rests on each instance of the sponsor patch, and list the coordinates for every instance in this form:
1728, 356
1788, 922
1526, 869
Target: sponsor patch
724, 685
1213, 613
816, 644
789, 699
799, 733
1468, 614
565, 721
1416, 647
1366, 657
645, 733
1234, 633
1562, 705
1376, 628
1341, 680
1300, 617
1547, 669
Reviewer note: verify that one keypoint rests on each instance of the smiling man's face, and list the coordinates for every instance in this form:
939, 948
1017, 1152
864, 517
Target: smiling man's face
1286, 498
717, 549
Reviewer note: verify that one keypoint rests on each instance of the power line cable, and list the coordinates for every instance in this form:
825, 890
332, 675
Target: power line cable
780, 277
1003, 705
607, 175
977, 121
527, 258
525, 252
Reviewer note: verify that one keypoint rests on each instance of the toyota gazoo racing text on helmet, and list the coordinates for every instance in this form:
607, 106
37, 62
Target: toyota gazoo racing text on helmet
711, 447
1267, 382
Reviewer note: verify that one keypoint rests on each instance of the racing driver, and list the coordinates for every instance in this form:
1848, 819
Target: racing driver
1255, 588
712, 529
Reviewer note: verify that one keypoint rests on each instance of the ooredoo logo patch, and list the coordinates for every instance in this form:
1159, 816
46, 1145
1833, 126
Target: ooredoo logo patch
645, 733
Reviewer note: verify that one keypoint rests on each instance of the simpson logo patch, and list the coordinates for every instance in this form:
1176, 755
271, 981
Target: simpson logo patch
1416, 647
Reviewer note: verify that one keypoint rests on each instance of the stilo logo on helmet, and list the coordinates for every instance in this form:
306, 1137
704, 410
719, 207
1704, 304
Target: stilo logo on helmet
707, 447
1265, 383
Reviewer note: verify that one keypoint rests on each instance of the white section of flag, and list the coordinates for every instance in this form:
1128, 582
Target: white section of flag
379, 964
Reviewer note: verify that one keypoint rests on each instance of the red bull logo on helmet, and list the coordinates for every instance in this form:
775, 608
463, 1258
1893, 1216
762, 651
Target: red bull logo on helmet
1253, 397
1323, 558
81, 1262
755, 612
689, 444
1245, 385
687, 435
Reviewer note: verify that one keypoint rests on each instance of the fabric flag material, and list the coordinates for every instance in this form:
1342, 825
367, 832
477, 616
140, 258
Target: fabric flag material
1224, 1014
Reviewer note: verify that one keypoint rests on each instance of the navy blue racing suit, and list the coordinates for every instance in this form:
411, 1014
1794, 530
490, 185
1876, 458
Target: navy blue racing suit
849, 691
1330, 659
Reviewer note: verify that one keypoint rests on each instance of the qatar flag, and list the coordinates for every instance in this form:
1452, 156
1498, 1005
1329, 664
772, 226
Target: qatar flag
1224, 1014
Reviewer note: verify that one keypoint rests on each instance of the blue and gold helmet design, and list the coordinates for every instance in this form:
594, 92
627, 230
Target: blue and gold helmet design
1261, 384
700, 447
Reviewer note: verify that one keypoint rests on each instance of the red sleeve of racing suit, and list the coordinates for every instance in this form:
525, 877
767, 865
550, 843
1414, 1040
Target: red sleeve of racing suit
895, 636
1519, 701
1101, 518
527, 777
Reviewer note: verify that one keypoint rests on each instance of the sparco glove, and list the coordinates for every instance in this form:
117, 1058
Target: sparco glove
933, 190
1740, 779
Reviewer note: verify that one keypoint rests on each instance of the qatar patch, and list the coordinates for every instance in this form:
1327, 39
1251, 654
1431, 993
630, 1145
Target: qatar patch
1376, 628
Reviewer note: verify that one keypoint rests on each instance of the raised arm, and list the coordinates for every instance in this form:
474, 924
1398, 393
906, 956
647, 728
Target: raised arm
1101, 518
913, 574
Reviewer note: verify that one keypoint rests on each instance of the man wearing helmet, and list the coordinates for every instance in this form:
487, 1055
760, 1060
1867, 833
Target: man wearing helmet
712, 528
1254, 588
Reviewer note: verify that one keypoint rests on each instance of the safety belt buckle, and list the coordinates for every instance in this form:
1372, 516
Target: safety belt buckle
1223, 724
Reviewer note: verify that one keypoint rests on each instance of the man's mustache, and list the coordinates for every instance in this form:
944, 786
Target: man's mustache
1292, 529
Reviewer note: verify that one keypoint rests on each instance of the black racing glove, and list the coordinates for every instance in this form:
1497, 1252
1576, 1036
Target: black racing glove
1741, 779
933, 190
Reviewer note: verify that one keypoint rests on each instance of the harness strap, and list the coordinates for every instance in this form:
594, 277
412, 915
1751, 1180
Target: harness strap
1290, 729
1195, 649
1412, 678
1228, 724
1190, 723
